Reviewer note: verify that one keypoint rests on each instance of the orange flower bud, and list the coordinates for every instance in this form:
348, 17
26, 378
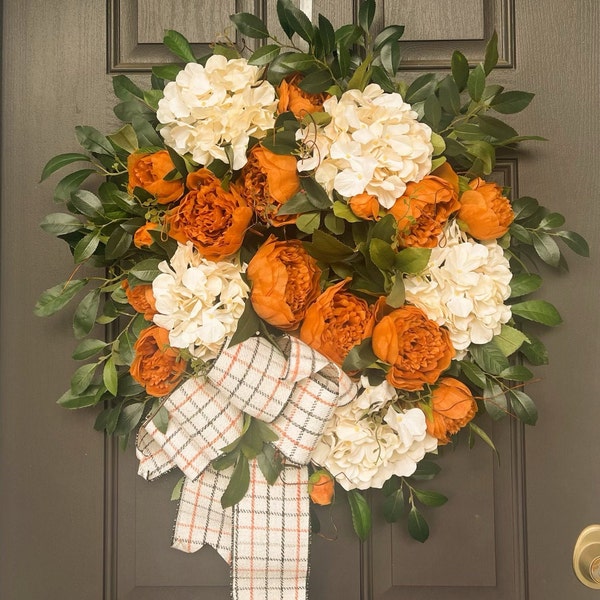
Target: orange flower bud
321, 487
147, 171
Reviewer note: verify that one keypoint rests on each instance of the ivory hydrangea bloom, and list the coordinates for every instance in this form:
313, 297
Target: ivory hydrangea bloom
369, 440
199, 301
221, 104
373, 144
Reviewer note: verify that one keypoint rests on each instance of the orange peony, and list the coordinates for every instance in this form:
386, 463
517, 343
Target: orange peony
213, 219
485, 213
452, 407
142, 237
156, 366
321, 487
425, 207
141, 299
294, 99
285, 280
417, 348
365, 206
268, 181
147, 171
336, 322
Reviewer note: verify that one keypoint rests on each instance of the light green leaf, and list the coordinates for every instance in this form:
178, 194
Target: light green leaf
538, 311
381, 254
361, 514
489, 357
308, 222
125, 138
110, 377
429, 498
397, 294
483, 435
177, 490
146, 270
509, 340
56, 297
412, 260
88, 348
90, 397
82, 379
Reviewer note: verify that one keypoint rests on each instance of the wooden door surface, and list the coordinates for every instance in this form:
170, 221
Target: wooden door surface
75, 520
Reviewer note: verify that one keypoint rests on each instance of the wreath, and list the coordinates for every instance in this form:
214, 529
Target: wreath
311, 281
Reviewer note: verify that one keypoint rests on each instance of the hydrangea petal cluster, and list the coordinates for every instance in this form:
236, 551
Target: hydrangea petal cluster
369, 440
373, 144
463, 289
221, 104
199, 301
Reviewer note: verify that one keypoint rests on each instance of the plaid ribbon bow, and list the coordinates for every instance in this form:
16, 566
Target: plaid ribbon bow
265, 536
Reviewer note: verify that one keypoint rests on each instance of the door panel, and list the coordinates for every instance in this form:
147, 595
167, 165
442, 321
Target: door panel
76, 521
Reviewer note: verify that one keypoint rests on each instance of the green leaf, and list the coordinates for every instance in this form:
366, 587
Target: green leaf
152, 98
517, 373
60, 161
168, 72
125, 138
250, 25
238, 484
86, 246
473, 373
483, 435
509, 340
315, 193
264, 55
299, 22
179, 46
366, 14
125, 89
535, 351
495, 127
129, 418
347, 35
87, 204
511, 102
412, 260
489, 357
146, 270
417, 525
394, 506
177, 490
523, 406
328, 248
161, 419
118, 243
298, 61
82, 378
68, 184
449, 95
432, 111
429, 498
86, 313
421, 88
58, 296
334, 224
392, 33
385, 229
343, 211
523, 284
110, 377
494, 400
90, 397
125, 348
317, 81
381, 254
426, 470
91, 139
491, 54
248, 325
60, 223
88, 348
476, 83
520, 233
460, 69
270, 462
574, 241
361, 514
308, 222
552, 220
524, 207
546, 248
360, 357
128, 387
229, 52
397, 294
538, 311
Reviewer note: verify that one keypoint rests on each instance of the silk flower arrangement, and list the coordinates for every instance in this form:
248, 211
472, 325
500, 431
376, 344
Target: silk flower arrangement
311, 281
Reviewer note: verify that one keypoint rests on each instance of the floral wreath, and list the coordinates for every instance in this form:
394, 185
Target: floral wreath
312, 282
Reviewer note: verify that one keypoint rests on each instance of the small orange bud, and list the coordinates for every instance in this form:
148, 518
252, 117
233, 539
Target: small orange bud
321, 487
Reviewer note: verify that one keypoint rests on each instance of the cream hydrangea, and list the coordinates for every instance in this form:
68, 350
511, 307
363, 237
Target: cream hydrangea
373, 143
199, 301
221, 104
464, 288
369, 440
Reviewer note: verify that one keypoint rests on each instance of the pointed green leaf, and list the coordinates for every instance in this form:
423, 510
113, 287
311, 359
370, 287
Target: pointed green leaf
60, 161
489, 357
483, 435
535, 351
86, 313
146, 270
238, 484
473, 373
67, 185
476, 83
129, 417
88, 348
56, 297
161, 419
495, 127
315, 193
317, 81
392, 33
250, 25
538, 311
429, 498
381, 254
179, 46
575, 241
426, 470
460, 69
366, 14
517, 373
494, 401
82, 379
523, 406
86, 246
87, 204
248, 325
511, 102
90, 397
421, 88
125, 138
177, 490
417, 525
361, 514
60, 223
167, 72
270, 462
547, 249
299, 22
110, 377
412, 260
397, 294
523, 284
491, 54
509, 340
91, 139
360, 357
394, 506
264, 55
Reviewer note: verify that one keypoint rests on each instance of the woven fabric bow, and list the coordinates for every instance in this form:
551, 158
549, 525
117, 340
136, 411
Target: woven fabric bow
265, 537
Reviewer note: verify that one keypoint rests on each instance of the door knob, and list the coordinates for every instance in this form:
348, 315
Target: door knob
586, 557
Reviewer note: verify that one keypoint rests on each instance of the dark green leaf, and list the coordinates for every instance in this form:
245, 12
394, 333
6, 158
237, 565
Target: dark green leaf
270, 462
552, 220
125, 138
229, 52
494, 400
317, 81
250, 25
360, 357
60, 161
412, 260
82, 378
449, 95
394, 506
67, 185
87, 204
167, 72
146, 270
128, 387
347, 35
90, 397
511, 102
523, 406
525, 207
225, 460
125, 348
179, 46
299, 22
385, 229
432, 111
575, 241
334, 224
85, 315
460, 69
328, 248
315, 193
392, 33
417, 525
297, 204
489, 357
56, 297
91, 139
483, 435
125, 89
327, 35
523, 284
495, 128
491, 54
129, 418
88, 348
264, 55
381, 254
161, 419
426, 470
361, 514
421, 88
473, 373
238, 484
382, 79
517, 373
538, 311
86, 246
118, 243
60, 223
366, 14
248, 325
535, 351
476, 83
282, 15
520, 233
298, 61
429, 498
110, 377
547, 249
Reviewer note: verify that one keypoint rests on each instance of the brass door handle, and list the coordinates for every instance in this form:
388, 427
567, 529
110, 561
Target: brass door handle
586, 557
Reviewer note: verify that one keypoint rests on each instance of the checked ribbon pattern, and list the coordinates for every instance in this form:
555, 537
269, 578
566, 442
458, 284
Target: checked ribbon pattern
265, 537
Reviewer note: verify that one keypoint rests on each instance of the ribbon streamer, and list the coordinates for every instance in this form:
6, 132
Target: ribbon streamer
265, 537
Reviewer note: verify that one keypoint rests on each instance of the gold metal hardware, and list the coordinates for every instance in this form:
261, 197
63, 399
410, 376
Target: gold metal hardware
586, 557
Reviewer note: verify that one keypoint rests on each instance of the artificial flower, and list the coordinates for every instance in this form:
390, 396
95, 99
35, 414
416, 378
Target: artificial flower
148, 171
141, 299
296, 100
321, 487
365, 206
142, 237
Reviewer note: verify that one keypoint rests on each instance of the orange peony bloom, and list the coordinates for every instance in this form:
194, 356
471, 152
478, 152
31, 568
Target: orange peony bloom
417, 348
336, 322
296, 100
141, 299
365, 206
285, 280
485, 213
147, 171
213, 219
156, 366
268, 181
425, 207
141, 237
452, 406
321, 487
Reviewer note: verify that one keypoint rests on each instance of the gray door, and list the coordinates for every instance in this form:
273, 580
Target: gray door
77, 524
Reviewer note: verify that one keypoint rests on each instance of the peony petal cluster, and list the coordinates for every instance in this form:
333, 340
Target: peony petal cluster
373, 144
369, 440
199, 301
221, 104
463, 289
